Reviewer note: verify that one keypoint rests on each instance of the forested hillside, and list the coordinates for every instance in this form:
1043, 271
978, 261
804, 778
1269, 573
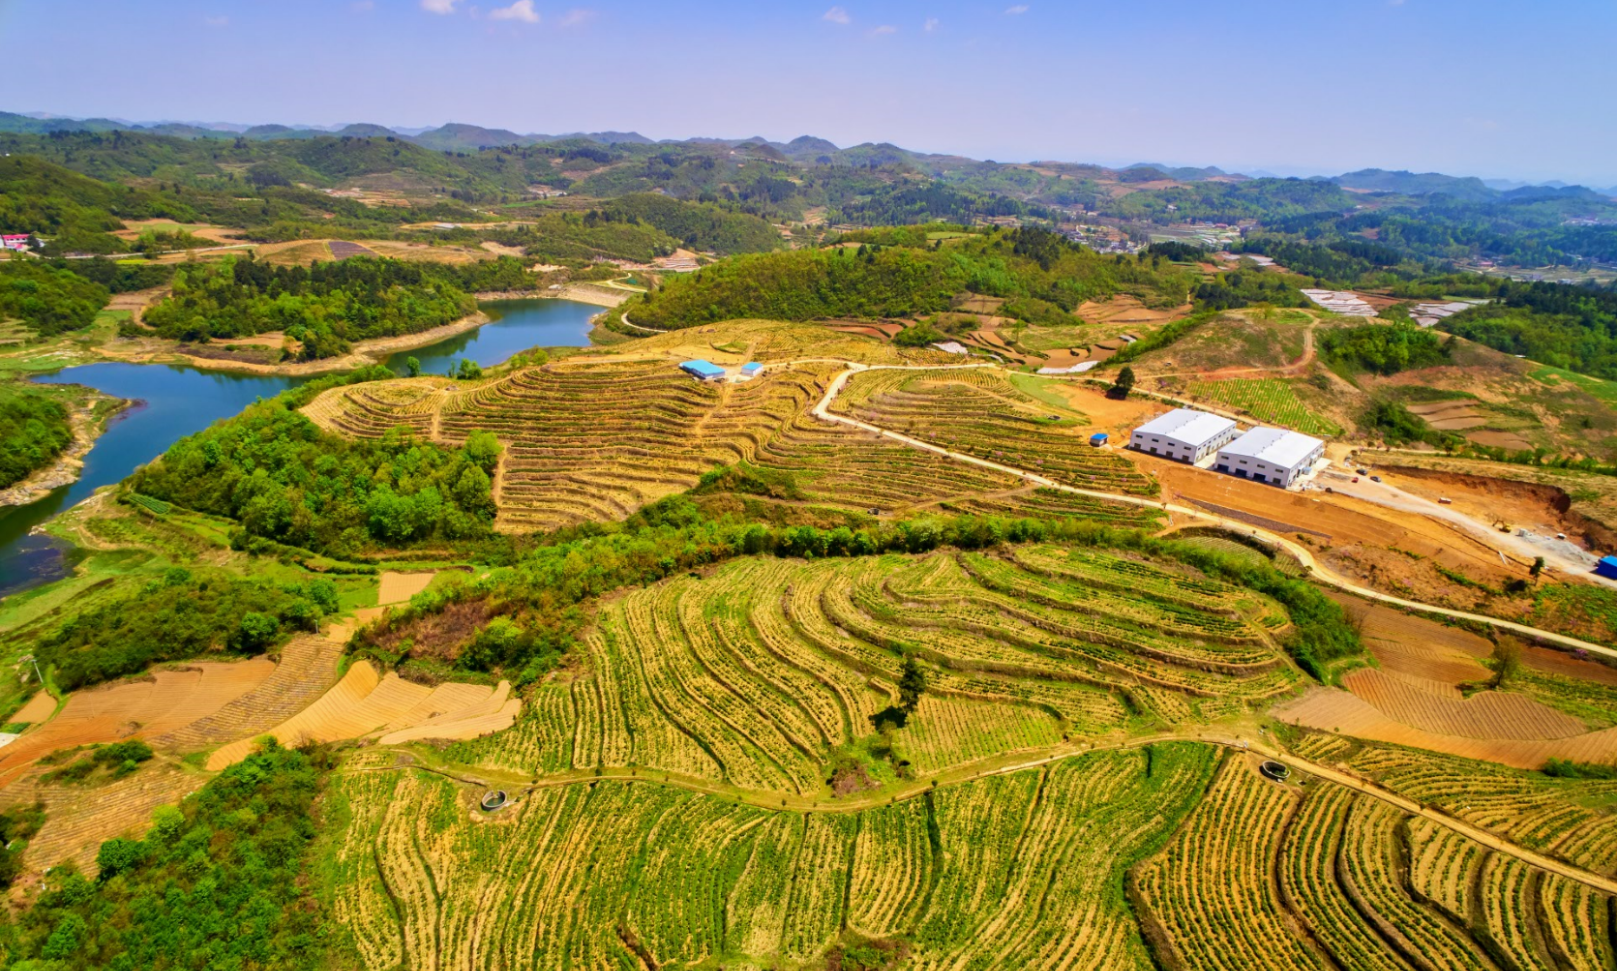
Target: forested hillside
1035, 266
324, 307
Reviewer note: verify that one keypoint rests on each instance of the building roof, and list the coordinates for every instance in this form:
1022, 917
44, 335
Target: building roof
705, 369
1608, 561
751, 367
1277, 446
1194, 428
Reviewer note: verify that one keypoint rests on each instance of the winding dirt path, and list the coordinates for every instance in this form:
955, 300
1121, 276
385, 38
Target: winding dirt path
1002, 765
1305, 556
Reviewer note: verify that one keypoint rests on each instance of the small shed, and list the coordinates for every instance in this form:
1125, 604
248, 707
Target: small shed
751, 369
703, 370
1607, 567
1098, 439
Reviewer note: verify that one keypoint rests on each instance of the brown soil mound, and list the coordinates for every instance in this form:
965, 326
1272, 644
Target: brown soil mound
1543, 508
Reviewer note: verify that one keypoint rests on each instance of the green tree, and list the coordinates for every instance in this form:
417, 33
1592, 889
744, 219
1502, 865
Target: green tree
412, 367
911, 685
256, 631
483, 449
1124, 384
1537, 568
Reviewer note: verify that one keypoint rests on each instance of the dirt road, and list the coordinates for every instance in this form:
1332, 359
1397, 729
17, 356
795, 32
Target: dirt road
1525, 550
1316, 569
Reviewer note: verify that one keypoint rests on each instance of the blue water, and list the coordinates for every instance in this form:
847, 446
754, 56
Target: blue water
517, 326
178, 401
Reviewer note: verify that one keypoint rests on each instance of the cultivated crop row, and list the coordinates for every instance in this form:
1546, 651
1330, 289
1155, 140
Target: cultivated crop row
755, 675
979, 413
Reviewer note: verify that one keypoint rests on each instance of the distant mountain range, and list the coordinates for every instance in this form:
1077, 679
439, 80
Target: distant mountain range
455, 137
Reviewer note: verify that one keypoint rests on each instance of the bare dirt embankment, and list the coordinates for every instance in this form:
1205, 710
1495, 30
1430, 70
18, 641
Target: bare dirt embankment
1534, 505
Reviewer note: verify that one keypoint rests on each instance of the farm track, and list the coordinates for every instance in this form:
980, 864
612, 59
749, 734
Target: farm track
1303, 554
992, 767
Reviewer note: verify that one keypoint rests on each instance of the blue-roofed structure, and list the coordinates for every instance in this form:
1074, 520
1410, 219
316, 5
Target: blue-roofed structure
703, 370
751, 369
1098, 439
1607, 567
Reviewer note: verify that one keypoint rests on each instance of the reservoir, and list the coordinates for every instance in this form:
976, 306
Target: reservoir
176, 401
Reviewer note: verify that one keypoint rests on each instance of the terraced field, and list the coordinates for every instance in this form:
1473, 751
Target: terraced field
1266, 875
978, 412
752, 677
595, 440
1012, 871
1268, 400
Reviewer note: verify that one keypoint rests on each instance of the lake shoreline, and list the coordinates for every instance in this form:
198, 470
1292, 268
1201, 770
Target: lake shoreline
375, 350
364, 353
67, 467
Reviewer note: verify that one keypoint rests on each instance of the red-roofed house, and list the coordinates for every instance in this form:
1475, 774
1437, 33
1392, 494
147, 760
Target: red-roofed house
15, 241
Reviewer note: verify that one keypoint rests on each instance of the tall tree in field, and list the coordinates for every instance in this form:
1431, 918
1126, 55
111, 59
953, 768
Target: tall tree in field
1124, 383
911, 685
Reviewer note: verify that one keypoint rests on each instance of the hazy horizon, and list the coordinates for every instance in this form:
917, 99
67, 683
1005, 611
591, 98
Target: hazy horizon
1468, 89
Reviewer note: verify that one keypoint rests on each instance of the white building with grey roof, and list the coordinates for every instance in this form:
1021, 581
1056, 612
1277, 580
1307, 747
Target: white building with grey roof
1277, 456
1184, 434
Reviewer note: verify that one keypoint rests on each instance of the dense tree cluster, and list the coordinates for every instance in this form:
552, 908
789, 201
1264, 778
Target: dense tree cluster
1382, 349
899, 281
284, 479
218, 882
34, 429
699, 225
181, 615
1227, 291
324, 306
47, 300
1563, 326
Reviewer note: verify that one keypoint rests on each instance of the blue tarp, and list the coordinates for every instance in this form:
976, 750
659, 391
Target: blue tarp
703, 369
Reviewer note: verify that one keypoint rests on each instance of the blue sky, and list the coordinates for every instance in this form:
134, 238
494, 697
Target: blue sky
1472, 87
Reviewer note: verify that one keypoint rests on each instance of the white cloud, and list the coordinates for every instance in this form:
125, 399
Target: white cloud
930, 25
439, 6
883, 30
1016, 11
576, 17
837, 15
216, 21
520, 10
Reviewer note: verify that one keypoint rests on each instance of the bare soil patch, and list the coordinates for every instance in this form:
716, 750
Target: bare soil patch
40, 707
365, 704
342, 249
399, 587
298, 252
1341, 712
1417, 647
161, 702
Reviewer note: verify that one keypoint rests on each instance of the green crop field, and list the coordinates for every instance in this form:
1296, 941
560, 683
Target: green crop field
1267, 400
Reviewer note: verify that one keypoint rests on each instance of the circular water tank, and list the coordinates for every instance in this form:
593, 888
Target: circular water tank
493, 800
1275, 771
